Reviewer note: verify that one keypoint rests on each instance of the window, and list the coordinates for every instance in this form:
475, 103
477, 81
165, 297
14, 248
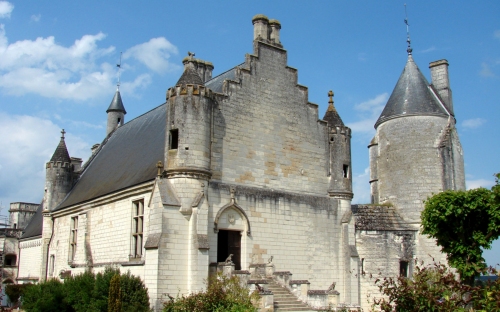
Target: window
10, 260
51, 265
403, 268
73, 238
174, 138
137, 228
363, 266
345, 171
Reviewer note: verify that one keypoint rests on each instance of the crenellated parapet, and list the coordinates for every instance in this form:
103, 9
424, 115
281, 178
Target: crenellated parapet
191, 90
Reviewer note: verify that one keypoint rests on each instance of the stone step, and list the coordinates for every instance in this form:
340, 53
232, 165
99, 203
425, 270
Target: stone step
284, 300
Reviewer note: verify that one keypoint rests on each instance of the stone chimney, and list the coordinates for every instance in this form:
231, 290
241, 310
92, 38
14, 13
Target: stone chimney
95, 147
441, 82
260, 27
275, 31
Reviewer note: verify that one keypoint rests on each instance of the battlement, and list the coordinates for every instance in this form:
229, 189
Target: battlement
190, 89
341, 130
57, 164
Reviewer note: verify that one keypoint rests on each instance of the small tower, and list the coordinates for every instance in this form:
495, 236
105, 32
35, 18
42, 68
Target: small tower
339, 137
116, 113
59, 176
190, 106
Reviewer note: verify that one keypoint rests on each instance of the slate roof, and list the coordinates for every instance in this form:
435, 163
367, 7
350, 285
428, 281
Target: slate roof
333, 117
378, 218
215, 84
412, 96
116, 104
34, 228
126, 158
61, 152
189, 76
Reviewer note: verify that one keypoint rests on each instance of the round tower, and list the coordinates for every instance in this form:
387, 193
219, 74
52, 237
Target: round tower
189, 124
116, 113
58, 176
339, 137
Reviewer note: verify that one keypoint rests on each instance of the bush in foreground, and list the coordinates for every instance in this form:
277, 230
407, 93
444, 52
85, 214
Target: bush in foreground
222, 294
87, 292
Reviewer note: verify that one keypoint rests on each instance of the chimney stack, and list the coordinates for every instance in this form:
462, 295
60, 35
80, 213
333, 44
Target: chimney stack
260, 27
441, 82
275, 31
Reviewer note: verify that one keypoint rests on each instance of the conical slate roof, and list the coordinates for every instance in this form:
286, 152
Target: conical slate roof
412, 96
61, 152
331, 115
189, 76
116, 104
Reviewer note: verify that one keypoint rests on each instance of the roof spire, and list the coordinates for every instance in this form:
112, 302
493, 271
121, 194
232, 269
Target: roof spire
119, 68
61, 153
62, 134
409, 49
331, 115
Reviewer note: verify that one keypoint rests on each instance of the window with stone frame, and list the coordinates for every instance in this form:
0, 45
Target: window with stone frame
137, 228
73, 238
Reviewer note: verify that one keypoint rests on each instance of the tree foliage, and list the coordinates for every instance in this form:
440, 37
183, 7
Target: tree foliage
88, 292
464, 222
114, 299
222, 294
436, 289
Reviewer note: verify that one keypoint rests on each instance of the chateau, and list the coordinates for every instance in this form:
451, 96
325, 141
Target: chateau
242, 164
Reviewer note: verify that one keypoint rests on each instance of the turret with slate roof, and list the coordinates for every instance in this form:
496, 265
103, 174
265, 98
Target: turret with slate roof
116, 113
59, 175
339, 137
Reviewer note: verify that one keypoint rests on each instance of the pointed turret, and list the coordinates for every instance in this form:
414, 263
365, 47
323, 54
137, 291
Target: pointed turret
116, 113
412, 96
58, 176
339, 137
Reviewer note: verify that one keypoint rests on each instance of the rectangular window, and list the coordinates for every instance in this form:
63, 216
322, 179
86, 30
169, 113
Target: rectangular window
174, 138
403, 268
137, 228
51, 265
345, 171
73, 238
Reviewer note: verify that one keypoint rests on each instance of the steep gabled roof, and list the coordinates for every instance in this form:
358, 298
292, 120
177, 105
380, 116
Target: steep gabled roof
116, 104
378, 218
215, 84
412, 96
127, 158
61, 153
190, 76
34, 228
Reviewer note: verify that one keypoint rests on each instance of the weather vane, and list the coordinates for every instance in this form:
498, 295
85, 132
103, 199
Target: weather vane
119, 68
409, 49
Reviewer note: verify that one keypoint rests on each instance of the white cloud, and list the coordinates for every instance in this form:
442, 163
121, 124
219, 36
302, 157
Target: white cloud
154, 54
496, 34
361, 187
369, 112
473, 123
31, 141
5, 9
75, 72
429, 49
486, 70
36, 18
472, 184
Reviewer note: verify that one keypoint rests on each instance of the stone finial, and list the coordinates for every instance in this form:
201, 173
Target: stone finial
62, 133
232, 191
159, 165
330, 101
229, 260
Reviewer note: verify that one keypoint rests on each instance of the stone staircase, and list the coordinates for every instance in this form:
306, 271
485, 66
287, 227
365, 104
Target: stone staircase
284, 300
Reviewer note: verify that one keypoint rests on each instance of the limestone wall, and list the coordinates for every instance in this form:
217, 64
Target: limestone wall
266, 133
30, 260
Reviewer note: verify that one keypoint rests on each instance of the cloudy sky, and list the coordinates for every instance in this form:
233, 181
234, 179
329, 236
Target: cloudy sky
58, 69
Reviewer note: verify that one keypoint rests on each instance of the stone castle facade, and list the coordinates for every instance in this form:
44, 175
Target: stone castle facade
241, 164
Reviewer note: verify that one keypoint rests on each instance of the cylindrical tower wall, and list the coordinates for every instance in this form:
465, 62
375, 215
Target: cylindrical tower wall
373, 152
189, 129
115, 120
409, 166
340, 162
58, 183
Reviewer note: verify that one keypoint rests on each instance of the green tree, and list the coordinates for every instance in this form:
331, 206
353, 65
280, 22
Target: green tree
464, 222
45, 297
114, 298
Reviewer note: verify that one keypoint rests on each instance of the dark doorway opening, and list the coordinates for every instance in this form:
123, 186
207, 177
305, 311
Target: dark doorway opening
229, 242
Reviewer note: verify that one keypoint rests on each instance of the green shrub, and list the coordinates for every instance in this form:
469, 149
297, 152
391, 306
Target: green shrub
222, 294
45, 297
87, 292
14, 291
114, 298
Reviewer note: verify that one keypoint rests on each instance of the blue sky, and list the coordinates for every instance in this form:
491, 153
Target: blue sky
58, 69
